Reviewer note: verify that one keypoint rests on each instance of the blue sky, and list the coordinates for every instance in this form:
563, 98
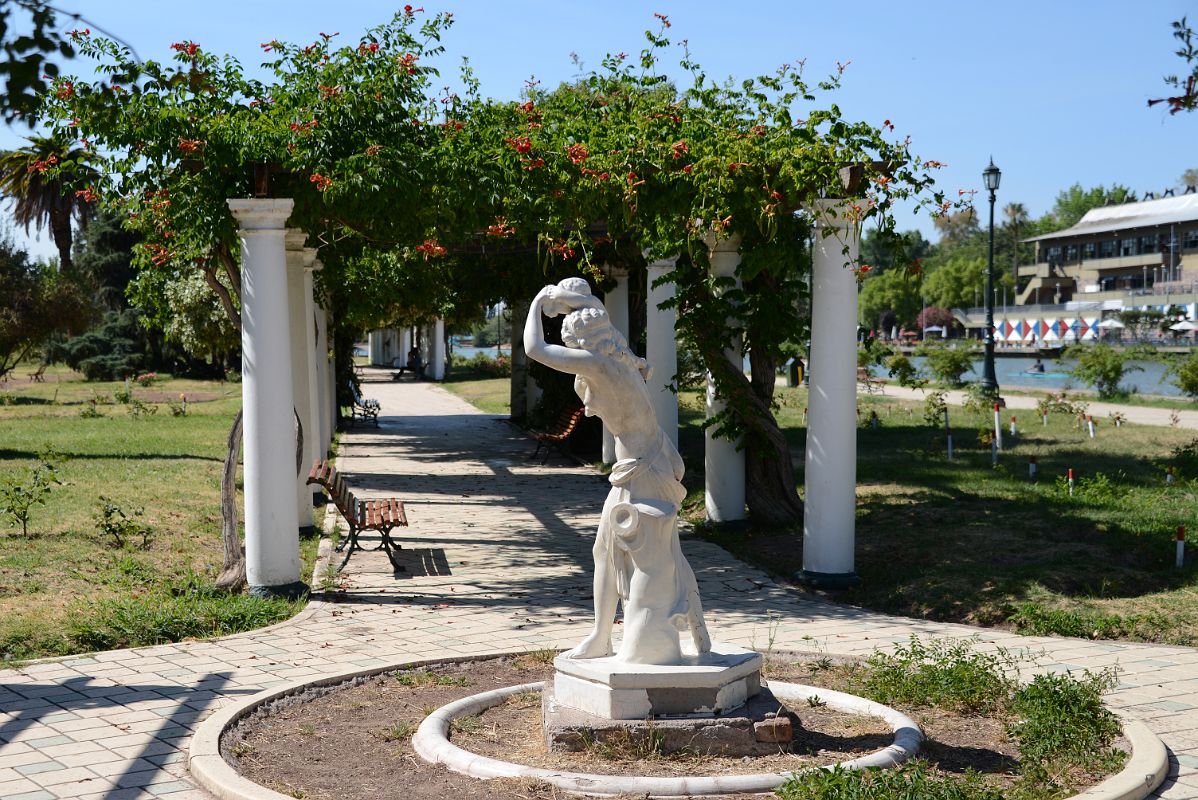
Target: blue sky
1055, 91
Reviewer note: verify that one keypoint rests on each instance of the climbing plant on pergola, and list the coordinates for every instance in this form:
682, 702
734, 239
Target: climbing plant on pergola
427, 204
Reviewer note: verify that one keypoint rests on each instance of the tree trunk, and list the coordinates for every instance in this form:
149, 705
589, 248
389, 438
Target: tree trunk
60, 232
519, 379
222, 294
770, 490
232, 575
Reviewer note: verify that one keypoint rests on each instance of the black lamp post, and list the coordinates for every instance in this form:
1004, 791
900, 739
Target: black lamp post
990, 178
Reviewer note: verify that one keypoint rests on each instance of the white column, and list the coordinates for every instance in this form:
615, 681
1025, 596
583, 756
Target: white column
299, 325
438, 350
405, 344
829, 522
661, 349
324, 383
271, 543
723, 463
374, 347
616, 303
332, 412
314, 433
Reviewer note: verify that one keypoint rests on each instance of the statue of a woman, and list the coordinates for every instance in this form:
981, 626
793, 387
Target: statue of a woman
638, 560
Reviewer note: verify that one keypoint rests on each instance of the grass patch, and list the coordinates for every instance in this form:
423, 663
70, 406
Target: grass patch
1064, 733
69, 586
490, 395
426, 678
963, 541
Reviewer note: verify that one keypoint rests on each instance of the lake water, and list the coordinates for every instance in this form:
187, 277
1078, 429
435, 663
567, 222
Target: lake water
1149, 379
1013, 372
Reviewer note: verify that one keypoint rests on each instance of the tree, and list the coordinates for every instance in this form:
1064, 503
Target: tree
25, 67
49, 181
955, 284
1101, 366
1189, 178
103, 257
934, 315
1016, 219
1185, 375
35, 303
947, 364
895, 291
1073, 203
957, 227
1186, 85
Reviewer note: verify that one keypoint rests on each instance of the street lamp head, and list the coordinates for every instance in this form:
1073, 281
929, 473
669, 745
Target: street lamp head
991, 176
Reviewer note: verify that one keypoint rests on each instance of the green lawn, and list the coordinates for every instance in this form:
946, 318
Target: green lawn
492, 395
67, 588
967, 542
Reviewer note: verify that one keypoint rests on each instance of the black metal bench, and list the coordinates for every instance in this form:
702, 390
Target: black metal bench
380, 515
362, 407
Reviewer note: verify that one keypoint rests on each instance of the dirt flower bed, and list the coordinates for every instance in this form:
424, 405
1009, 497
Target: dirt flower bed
353, 742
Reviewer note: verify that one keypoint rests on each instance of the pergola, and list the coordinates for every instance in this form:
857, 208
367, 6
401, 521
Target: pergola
280, 315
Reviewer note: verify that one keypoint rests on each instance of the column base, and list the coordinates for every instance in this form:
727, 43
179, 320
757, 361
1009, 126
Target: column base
831, 581
287, 591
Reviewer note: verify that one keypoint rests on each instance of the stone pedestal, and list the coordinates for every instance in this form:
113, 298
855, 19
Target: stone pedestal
714, 682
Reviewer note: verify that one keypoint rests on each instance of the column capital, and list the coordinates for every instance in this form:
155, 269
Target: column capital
614, 271
260, 214
663, 264
831, 214
721, 244
294, 239
311, 262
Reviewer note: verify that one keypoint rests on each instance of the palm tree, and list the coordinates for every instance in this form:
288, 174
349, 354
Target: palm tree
47, 181
1017, 217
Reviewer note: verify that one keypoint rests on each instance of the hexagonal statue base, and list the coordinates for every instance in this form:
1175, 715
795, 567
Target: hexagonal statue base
711, 683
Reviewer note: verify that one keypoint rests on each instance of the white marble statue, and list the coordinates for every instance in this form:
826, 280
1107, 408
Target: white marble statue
638, 560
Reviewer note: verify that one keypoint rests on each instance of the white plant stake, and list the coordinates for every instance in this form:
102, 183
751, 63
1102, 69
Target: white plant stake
949, 435
1169, 474
1031, 467
1090, 425
1012, 427
1181, 546
997, 428
1071, 481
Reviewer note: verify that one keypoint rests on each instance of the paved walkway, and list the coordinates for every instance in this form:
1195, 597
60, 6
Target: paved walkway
498, 559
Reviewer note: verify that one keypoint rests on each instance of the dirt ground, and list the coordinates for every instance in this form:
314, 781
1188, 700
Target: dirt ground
353, 742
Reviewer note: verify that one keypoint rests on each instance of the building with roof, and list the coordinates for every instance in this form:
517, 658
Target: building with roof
1139, 256
1116, 249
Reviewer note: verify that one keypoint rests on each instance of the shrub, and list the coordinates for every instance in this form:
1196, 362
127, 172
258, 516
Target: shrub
119, 527
484, 366
1101, 366
899, 367
908, 781
947, 673
934, 407
948, 365
1185, 375
18, 498
1062, 719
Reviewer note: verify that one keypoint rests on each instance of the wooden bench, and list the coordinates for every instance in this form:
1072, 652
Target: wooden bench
362, 408
362, 515
556, 434
869, 383
40, 375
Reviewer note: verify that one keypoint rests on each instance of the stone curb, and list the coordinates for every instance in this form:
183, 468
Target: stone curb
432, 744
210, 770
1145, 770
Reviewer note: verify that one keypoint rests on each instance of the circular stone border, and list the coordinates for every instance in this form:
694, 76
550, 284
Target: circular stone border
1144, 772
431, 742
